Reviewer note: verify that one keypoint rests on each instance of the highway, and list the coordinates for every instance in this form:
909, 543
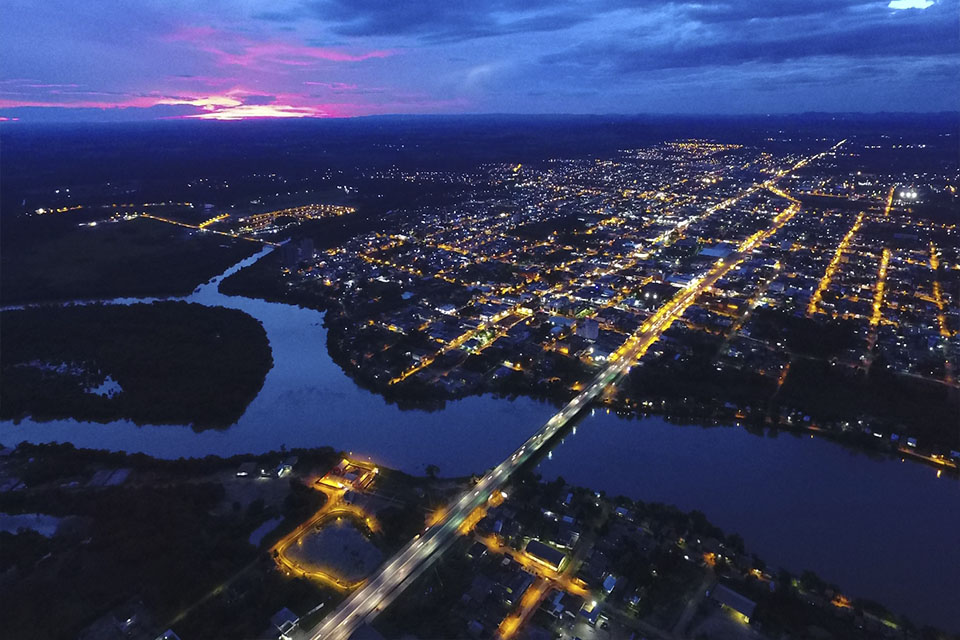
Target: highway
394, 576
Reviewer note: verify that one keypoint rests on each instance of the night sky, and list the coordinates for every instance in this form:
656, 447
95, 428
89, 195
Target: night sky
77, 60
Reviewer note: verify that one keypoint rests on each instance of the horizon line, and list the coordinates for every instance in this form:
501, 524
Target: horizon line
490, 114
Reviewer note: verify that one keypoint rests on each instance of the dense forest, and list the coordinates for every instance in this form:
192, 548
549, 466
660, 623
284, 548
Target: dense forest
160, 363
59, 257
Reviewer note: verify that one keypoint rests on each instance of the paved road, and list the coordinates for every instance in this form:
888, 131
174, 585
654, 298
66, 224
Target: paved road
365, 603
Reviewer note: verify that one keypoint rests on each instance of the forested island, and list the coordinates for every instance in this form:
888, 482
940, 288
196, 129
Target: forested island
160, 363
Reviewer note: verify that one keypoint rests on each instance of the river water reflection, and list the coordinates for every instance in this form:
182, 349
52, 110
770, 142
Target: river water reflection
877, 527
308, 401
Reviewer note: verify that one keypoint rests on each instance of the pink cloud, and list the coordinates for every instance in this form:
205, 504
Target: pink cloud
235, 104
122, 103
210, 81
208, 103
333, 86
231, 49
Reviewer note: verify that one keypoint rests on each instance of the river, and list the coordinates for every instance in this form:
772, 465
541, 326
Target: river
879, 528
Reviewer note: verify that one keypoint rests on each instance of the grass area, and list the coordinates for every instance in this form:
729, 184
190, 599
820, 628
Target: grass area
339, 547
51, 260
167, 362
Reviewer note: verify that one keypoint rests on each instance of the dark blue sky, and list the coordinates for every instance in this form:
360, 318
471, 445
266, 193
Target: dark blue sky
100, 60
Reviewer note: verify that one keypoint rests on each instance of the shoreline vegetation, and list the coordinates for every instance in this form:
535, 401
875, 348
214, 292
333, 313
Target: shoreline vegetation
168, 362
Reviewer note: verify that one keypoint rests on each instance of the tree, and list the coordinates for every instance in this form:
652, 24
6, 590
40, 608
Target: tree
735, 542
432, 471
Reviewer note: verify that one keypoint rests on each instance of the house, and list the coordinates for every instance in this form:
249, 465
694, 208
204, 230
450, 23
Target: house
475, 628
568, 535
609, 583
730, 599
590, 611
515, 584
286, 466
247, 469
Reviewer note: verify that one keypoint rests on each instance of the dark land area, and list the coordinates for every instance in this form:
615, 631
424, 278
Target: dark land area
171, 362
53, 258
40, 158
818, 390
155, 544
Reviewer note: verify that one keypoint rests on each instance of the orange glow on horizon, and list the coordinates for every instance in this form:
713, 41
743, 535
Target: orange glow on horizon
245, 111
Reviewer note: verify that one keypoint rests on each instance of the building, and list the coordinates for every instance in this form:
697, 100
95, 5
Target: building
590, 611
565, 604
609, 583
721, 250
350, 475
730, 599
286, 466
545, 555
588, 328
